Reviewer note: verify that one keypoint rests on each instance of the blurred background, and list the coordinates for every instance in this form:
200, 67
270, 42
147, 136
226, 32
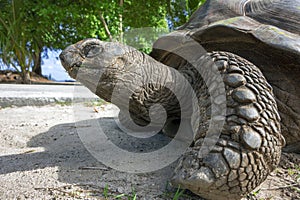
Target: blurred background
33, 32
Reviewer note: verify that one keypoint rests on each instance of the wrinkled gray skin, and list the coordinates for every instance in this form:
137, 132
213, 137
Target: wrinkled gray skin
250, 144
104, 66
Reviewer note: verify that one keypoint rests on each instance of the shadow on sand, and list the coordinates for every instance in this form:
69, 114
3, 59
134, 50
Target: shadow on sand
65, 150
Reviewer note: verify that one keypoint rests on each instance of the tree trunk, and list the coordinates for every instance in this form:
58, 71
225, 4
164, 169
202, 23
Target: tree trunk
105, 26
25, 75
121, 23
37, 62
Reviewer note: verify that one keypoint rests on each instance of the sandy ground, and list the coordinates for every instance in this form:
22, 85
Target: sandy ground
42, 157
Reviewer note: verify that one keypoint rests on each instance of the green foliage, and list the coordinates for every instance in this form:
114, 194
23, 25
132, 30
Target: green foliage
27, 26
15, 44
143, 38
179, 11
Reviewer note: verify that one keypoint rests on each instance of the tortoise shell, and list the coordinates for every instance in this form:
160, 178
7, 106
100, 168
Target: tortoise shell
265, 32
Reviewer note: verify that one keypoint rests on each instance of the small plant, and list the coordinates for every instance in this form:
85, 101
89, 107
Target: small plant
291, 172
132, 196
105, 192
98, 102
178, 193
129, 196
277, 170
295, 172
119, 196
255, 193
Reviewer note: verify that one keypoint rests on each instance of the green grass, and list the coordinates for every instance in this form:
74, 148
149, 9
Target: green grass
178, 194
109, 195
87, 191
291, 172
105, 191
255, 193
294, 172
99, 102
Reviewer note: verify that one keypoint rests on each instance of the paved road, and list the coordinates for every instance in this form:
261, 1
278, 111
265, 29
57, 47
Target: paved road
25, 95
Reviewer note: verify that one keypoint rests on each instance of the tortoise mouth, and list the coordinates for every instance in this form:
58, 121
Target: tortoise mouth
74, 67
71, 61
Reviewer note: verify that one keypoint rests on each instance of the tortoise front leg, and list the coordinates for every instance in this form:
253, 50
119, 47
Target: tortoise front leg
250, 144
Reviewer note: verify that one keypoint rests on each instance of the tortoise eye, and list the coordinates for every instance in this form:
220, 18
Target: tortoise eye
92, 50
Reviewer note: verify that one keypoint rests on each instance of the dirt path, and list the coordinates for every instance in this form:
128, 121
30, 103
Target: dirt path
42, 157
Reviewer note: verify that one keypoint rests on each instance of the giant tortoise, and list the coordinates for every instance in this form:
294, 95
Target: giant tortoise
255, 46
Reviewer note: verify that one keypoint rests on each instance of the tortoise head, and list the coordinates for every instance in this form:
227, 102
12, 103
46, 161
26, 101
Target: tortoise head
96, 64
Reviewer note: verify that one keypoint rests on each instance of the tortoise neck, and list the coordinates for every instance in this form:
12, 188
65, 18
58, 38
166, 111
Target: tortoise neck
144, 83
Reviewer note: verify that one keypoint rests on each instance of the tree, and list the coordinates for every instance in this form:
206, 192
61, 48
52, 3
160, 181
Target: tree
14, 43
179, 11
50, 24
